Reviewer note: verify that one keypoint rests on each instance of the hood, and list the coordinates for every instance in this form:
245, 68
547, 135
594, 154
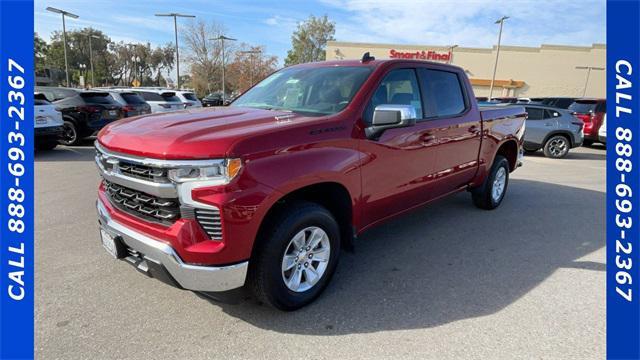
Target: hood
202, 133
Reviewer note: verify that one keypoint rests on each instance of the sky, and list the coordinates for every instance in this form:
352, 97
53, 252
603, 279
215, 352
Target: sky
271, 22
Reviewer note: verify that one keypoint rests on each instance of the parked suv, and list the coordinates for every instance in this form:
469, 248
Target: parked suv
591, 112
189, 99
160, 100
84, 112
48, 123
265, 192
132, 103
553, 130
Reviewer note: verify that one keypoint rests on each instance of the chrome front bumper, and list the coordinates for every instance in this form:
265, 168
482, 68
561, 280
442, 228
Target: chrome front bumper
191, 277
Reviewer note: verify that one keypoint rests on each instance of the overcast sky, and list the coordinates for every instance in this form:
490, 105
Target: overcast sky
270, 23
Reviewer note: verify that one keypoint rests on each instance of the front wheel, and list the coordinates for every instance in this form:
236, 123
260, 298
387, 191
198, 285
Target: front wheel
489, 195
296, 257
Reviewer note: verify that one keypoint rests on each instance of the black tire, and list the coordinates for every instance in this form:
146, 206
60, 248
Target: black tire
266, 274
482, 195
587, 143
46, 145
70, 135
557, 147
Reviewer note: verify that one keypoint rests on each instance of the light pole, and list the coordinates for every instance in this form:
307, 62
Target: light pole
586, 82
495, 65
93, 80
451, 53
175, 29
64, 35
222, 38
135, 59
251, 55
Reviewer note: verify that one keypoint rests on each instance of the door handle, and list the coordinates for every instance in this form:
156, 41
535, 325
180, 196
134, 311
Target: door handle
548, 124
427, 138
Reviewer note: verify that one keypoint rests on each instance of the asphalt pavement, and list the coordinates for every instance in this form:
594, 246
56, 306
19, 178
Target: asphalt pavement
447, 281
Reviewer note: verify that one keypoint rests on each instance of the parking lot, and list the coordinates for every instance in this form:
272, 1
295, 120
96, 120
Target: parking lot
443, 282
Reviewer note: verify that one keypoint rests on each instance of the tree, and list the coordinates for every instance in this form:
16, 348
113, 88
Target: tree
249, 66
309, 41
204, 56
40, 49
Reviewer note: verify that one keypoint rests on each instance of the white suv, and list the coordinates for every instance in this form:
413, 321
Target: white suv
47, 123
160, 100
189, 99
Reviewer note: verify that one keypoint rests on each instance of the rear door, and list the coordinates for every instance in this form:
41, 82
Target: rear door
455, 128
540, 123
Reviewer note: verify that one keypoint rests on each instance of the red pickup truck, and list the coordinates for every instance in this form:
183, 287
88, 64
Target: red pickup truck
263, 194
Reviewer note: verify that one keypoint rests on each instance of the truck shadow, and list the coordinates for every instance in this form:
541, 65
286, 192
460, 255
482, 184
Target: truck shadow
435, 266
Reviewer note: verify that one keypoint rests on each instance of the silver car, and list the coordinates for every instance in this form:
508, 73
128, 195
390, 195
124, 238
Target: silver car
553, 130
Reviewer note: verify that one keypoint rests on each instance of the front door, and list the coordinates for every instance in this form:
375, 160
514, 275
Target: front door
397, 165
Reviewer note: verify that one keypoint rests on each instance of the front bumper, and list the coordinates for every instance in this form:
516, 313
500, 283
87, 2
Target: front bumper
162, 257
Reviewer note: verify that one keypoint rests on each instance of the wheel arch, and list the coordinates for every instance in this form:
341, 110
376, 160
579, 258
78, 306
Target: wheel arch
333, 196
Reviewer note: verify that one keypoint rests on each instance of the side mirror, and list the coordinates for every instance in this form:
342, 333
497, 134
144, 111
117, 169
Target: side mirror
391, 116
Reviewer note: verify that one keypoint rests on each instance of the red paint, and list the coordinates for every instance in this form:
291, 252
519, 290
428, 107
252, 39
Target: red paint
592, 120
405, 168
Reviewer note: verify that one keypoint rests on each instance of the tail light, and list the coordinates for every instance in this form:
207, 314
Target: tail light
89, 109
166, 106
187, 104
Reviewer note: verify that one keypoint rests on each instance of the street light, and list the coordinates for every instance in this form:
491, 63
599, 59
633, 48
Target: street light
451, 53
222, 38
251, 53
135, 59
586, 82
82, 68
495, 65
175, 28
93, 80
64, 35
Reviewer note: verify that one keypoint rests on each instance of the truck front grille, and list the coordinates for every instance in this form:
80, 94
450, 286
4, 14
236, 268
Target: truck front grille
145, 206
143, 172
209, 219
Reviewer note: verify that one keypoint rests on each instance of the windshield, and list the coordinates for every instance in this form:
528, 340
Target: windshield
316, 91
97, 98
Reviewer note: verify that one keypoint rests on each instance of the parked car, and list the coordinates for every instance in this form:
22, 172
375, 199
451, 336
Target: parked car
558, 101
133, 104
265, 192
505, 100
160, 100
189, 99
48, 123
84, 112
591, 112
214, 99
553, 130
602, 132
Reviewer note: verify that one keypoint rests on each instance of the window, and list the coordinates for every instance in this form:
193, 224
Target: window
442, 93
314, 91
132, 98
548, 114
151, 96
170, 97
97, 98
583, 107
40, 99
190, 96
399, 87
535, 113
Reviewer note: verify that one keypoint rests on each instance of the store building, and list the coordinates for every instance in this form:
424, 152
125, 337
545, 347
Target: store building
548, 70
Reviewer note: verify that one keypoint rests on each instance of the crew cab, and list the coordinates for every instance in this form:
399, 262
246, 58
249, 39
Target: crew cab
263, 194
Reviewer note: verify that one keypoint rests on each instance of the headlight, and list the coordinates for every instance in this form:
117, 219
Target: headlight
224, 170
